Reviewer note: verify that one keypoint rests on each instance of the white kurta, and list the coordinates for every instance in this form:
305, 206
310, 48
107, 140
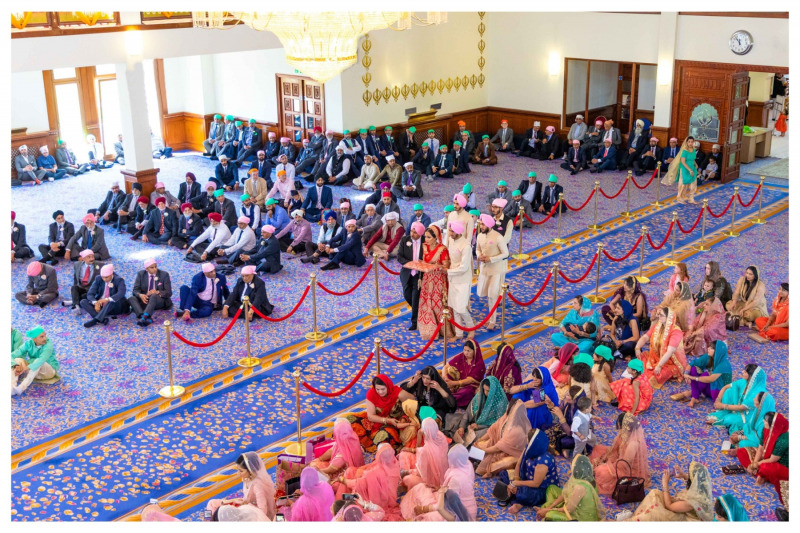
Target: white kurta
492, 273
459, 274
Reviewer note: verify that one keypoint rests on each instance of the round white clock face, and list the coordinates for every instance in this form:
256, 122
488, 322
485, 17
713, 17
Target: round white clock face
741, 42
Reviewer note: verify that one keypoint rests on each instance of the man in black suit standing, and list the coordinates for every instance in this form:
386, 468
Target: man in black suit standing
531, 190
410, 249
152, 291
460, 159
61, 232
389, 145
576, 158
254, 288
647, 159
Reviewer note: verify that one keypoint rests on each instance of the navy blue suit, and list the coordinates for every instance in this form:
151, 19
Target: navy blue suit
153, 226
374, 148
609, 162
225, 177
669, 152
570, 162
190, 301
271, 149
289, 150
350, 252
194, 190
118, 304
310, 204
267, 256
422, 161
264, 171
448, 166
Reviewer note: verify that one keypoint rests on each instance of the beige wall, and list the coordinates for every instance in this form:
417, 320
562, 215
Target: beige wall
760, 86
706, 39
28, 104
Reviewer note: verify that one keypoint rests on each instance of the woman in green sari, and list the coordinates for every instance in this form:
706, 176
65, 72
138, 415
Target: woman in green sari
736, 399
485, 408
578, 500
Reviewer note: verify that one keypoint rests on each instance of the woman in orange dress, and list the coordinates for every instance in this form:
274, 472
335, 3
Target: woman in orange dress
776, 326
433, 285
634, 394
666, 359
629, 445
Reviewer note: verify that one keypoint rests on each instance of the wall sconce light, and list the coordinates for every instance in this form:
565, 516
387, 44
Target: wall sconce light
554, 64
664, 72
133, 43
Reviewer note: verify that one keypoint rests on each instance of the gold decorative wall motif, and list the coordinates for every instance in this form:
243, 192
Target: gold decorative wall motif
458, 83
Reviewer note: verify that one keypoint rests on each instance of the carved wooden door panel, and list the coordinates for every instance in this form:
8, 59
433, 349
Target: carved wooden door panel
739, 88
301, 105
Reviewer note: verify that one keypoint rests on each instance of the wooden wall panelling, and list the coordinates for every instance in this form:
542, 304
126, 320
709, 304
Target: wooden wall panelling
662, 134
758, 113
91, 112
194, 130
33, 141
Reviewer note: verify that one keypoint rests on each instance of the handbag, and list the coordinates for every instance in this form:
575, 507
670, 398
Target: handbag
732, 322
628, 489
501, 492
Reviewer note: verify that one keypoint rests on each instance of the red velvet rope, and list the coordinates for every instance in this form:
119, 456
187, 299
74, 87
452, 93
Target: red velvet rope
326, 289
660, 246
616, 259
293, 311
215, 341
696, 222
618, 192
392, 272
710, 212
434, 336
541, 290
483, 322
588, 269
545, 219
582, 205
646, 185
349, 385
755, 195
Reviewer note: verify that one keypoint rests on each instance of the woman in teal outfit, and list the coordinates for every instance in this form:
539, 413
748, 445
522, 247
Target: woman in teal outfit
728, 509
753, 428
580, 314
736, 399
684, 170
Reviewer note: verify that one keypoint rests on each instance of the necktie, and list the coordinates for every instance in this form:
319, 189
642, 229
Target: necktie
486, 151
60, 236
87, 270
214, 235
186, 222
319, 198
369, 221
88, 239
152, 284
161, 229
107, 291
239, 236
416, 255
576, 155
442, 163
605, 153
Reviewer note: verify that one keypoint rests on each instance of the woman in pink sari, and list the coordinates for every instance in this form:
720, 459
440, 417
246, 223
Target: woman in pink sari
378, 481
666, 359
420, 504
430, 462
345, 456
257, 486
433, 285
629, 445
708, 328
559, 365
315, 503
505, 441
154, 513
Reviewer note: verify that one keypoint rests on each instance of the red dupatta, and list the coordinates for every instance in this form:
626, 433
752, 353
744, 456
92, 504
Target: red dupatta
433, 254
779, 426
384, 404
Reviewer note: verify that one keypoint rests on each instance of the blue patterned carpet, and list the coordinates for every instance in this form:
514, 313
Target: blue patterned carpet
114, 475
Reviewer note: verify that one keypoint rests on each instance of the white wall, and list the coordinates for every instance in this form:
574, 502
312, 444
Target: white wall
706, 39
28, 104
603, 84
647, 87
183, 81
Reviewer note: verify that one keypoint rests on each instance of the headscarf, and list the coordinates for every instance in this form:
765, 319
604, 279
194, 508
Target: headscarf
547, 385
432, 456
504, 365
384, 404
378, 483
453, 504
242, 513
624, 329
582, 473
721, 363
459, 362
255, 466
315, 503
460, 478
699, 494
685, 293
346, 444
754, 419
565, 354
733, 509
510, 432
780, 425
351, 513
755, 384
537, 446
630, 432
586, 307
486, 409
674, 167
410, 409
661, 332
747, 286
637, 291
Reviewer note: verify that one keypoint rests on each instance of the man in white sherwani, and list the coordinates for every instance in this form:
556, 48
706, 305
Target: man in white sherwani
492, 253
459, 276
459, 214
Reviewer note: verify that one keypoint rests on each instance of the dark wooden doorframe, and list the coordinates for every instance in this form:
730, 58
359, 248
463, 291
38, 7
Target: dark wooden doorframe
309, 106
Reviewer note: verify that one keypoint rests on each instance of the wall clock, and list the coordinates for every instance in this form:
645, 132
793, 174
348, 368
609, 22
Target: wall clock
741, 42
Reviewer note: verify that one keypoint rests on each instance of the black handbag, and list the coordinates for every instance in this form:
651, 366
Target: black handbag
732, 322
628, 489
502, 493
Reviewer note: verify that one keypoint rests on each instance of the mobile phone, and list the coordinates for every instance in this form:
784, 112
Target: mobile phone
153, 501
352, 496
280, 518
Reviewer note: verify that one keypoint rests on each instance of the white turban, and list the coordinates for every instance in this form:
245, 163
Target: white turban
43, 148
368, 206
391, 215
536, 123
297, 212
579, 117
25, 146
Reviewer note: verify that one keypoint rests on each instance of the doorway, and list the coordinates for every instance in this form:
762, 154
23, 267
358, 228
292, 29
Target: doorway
301, 106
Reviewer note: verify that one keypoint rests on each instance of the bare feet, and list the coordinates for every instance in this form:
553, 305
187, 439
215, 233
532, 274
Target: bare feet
759, 480
692, 403
710, 421
681, 396
514, 509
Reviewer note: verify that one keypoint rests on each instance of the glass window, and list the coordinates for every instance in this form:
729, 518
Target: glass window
732, 159
70, 125
704, 123
64, 73
102, 70
734, 136
735, 114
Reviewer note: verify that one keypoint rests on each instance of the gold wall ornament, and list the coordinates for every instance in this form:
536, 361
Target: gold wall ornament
481, 62
414, 90
457, 83
366, 61
20, 19
404, 91
465, 81
481, 79
376, 95
449, 84
481, 46
396, 93
473, 80
432, 86
423, 88
441, 85
367, 97
366, 78
387, 93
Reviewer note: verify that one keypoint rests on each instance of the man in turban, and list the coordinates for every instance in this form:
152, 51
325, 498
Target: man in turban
577, 130
410, 249
254, 288
648, 158
60, 234
501, 191
214, 136
206, 294
484, 153
368, 224
502, 223
160, 225
243, 240
459, 276
387, 204
267, 256
410, 184
27, 168
576, 158
106, 298
503, 140
551, 145
384, 242
593, 138
35, 359
42, 285
152, 290
84, 273
251, 142
532, 145
226, 175
206, 245
492, 254
459, 159
90, 236
348, 253
460, 214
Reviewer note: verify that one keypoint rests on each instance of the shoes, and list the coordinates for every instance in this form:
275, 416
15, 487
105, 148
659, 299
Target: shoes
144, 321
314, 260
76, 310
65, 303
331, 266
53, 262
104, 321
305, 260
412, 327
90, 323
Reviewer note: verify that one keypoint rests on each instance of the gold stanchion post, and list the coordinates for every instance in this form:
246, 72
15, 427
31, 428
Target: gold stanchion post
495, 344
171, 391
520, 255
315, 334
551, 320
760, 220
377, 310
732, 231
595, 226
558, 239
658, 203
644, 280
249, 361
702, 246
297, 448
671, 261
378, 353
627, 213
445, 318
596, 298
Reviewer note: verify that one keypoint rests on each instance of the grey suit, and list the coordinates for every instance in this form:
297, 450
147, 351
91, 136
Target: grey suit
78, 242
21, 161
65, 159
79, 289
214, 135
120, 151
44, 285
161, 283
513, 209
503, 137
368, 228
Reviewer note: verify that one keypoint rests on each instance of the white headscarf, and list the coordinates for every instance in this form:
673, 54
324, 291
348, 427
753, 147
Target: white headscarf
672, 174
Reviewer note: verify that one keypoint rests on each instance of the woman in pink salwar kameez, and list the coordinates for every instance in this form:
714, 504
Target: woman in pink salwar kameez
430, 461
420, 504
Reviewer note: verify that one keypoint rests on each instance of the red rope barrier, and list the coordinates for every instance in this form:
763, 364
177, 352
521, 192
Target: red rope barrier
582, 205
646, 185
392, 272
755, 195
588, 269
349, 385
541, 290
545, 219
326, 289
434, 336
696, 222
660, 246
215, 341
710, 212
483, 322
618, 192
615, 259
294, 309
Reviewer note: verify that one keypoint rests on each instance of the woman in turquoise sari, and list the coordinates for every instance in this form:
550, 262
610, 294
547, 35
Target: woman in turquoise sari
684, 170
580, 314
578, 500
728, 509
753, 428
707, 375
736, 399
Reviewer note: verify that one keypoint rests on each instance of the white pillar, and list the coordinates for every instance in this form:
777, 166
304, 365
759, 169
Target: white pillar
667, 33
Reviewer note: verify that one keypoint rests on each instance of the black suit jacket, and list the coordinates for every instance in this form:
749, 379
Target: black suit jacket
422, 161
537, 192
405, 253
546, 194
290, 151
529, 136
405, 145
657, 151
553, 146
154, 222
163, 284
193, 191
227, 175
581, 157
271, 149
194, 230
69, 231
111, 203
257, 294
264, 170
228, 211
460, 163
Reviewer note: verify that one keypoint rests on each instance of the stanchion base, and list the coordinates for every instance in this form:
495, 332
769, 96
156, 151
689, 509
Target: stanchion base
248, 362
171, 391
316, 336
596, 299
521, 257
731, 234
702, 248
378, 311
595, 227
558, 240
644, 280
670, 263
627, 214
658, 204
296, 449
550, 321
758, 221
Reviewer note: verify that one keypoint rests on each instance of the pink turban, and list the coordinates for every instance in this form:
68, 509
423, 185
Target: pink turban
243, 220
86, 252
249, 269
500, 202
654, 139
328, 132
457, 226
673, 139
551, 129
460, 200
598, 122
88, 217
419, 227
34, 268
209, 267
284, 139
488, 220
159, 184
350, 222
107, 270
576, 141
345, 204
150, 262
211, 185
269, 228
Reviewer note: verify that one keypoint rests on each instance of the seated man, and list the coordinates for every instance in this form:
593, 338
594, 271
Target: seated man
254, 288
348, 253
189, 227
718, 160
384, 242
387, 204
157, 146
242, 240
272, 147
152, 290
670, 153
114, 200
19, 242
42, 287
593, 138
88, 237
550, 195
225, 175
66, 160
61, 232
531, 190
604, 159
287, 149
419, 216
250, 144
95, 154
337, 169
460, 159
410, 183
388, 144
282, 190
160, 226
84, 272
648, 158
503, 140
206, 245
423, 159
344, 212
35, 359
551, 145
27, 168
238, 141
501, 191
352, 150
139, 220
368, 224
47, 163
162, 192
285, 166
225, 143
468, 143
300, 229
711, 171
330, 234
226, 208
577, 130
532, 145
206, 294
250, 210
484, 153
263, 167
215, 131
267, 257
442, 165
636, 145
105, 298
368, 178
519, 207
407, 144
189, 189
305, 157
277, 217
127, 211
390, 174
256, 188
318, 199
576, 158
119, 151
319, 148
469, 194
462, 127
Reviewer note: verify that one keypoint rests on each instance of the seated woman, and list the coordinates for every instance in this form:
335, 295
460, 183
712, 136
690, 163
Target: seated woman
776, 326
343, 458
749, 297
429, 463
634, 394
536, 471
680, 273
257, 486
429, 389
560, 433
728, 509
734, 400
682, 305
560, 363
770, 461
601, 375
420, 502
359, 510
534, 390
408, 435
750, 433
693, 503
380, 422
451, 508
486, 407
377, 482
578, 501
505, 441
464, 373
722, 289
707, 329
666, 359
716, 374
506, 368
628, 445
573, 326
622, 330
631, 292
314, 505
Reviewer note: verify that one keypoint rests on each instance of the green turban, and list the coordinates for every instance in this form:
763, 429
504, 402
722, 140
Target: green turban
60, 142
553, 178
412, 129
516, 193
425, 143
636, 364
245, 196
475, 213
237, 123
251, 121
417, 207
217, 117
604, 352
584, 358
271, 201
426, 412
467, 188
387, 128
229, 117
531, 174
35, 332
362, 130
465, 132
485, 137
431, 131
502, 183
457, 143
345, 132
218, 193
371, 128
448, 208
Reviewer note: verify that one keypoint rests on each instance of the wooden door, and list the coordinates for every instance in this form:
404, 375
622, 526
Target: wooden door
314, 106
301, 105
738, 97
